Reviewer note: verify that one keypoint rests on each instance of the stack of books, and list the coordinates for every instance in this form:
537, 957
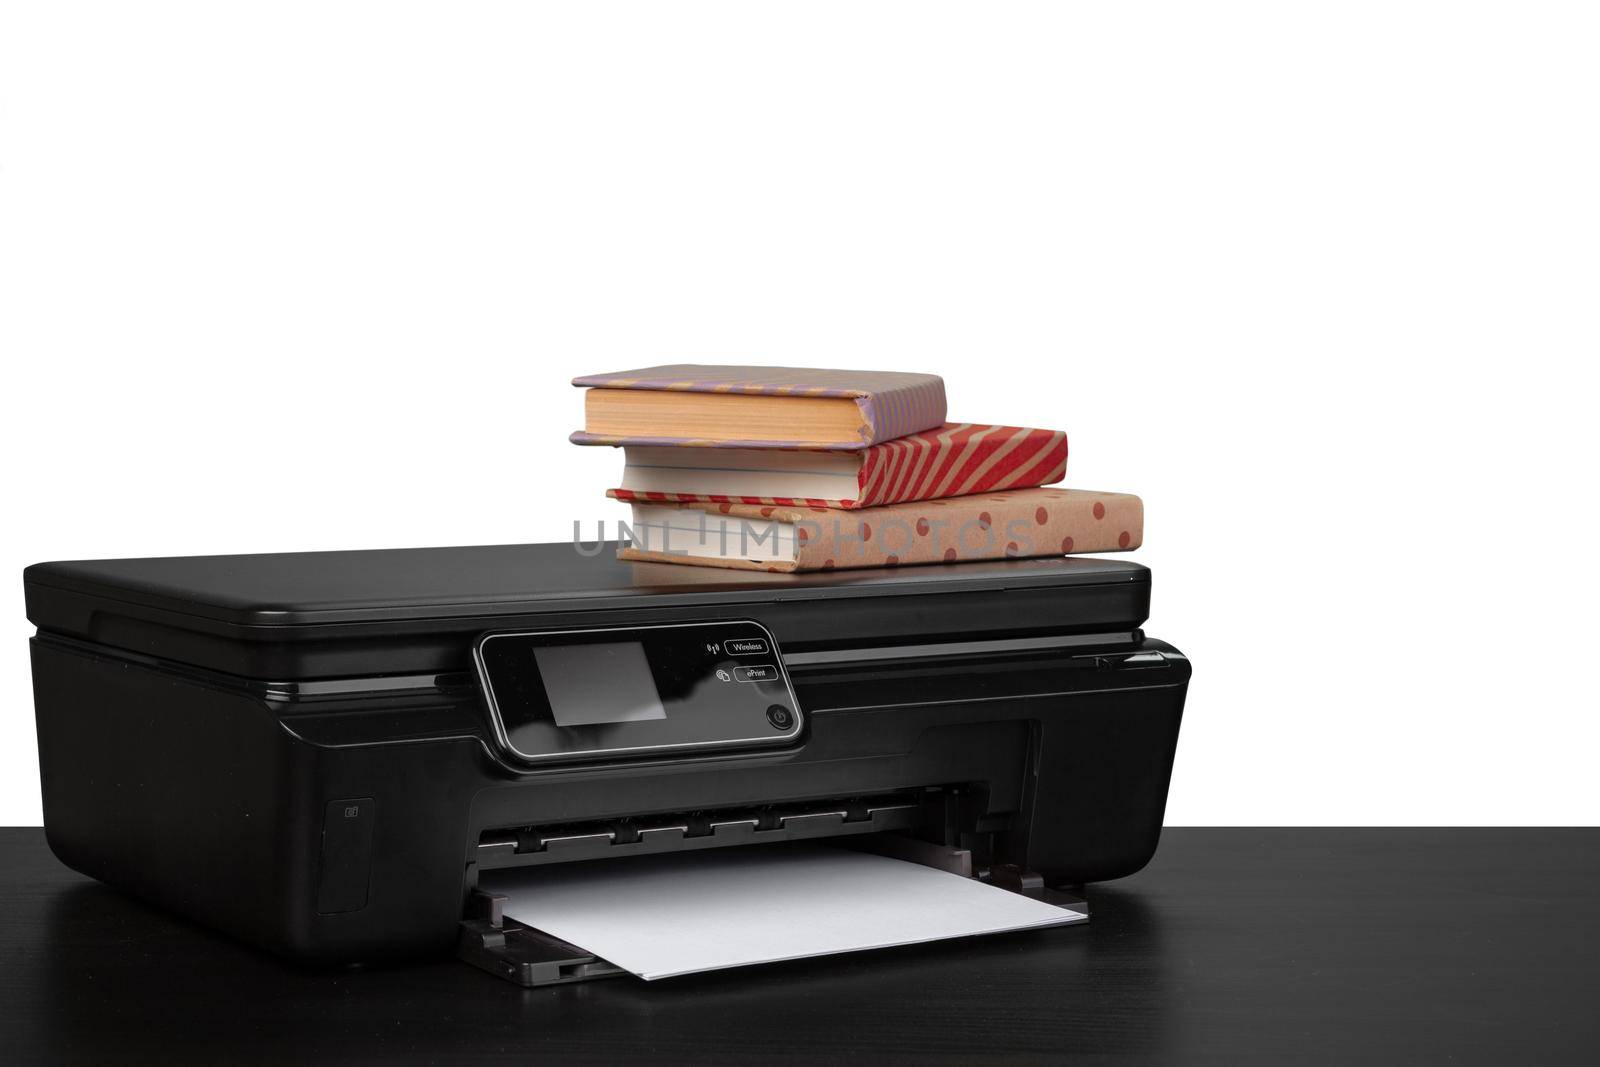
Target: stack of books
794, 469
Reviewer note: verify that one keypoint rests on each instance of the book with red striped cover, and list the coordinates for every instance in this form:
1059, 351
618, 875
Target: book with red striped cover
1028, 522
955, 459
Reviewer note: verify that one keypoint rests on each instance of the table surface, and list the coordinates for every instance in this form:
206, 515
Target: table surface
1320, 944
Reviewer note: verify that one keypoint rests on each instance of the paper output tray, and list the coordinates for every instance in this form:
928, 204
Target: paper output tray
530, 957
522, 954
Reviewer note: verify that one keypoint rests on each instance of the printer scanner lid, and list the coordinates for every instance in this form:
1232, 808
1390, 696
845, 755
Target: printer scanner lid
322, 614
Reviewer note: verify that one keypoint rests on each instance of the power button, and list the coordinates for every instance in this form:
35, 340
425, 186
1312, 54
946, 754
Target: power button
780, 716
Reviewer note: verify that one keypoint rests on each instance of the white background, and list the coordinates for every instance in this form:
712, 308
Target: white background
1319, 281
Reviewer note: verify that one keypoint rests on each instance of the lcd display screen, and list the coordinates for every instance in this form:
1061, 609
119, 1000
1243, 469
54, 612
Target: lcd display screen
594, 684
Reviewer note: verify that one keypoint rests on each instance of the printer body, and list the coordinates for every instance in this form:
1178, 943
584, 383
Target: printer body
334, 755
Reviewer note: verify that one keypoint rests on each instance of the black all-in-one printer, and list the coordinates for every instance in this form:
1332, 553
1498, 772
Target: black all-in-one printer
329, 754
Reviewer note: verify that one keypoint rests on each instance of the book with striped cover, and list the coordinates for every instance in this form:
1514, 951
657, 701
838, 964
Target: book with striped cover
956, 459
691, 405
1028, 522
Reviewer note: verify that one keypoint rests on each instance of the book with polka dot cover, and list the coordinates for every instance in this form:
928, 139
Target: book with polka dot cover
1024, 523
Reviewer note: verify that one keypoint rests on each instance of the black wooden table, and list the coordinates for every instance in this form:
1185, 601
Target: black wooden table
1333, 945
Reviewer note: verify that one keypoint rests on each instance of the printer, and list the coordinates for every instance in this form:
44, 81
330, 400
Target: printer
333, 755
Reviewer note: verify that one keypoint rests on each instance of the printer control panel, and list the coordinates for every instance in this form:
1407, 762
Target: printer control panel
622, 692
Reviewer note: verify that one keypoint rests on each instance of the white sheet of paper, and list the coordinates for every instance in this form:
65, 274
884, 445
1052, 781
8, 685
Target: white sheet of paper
660, 916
